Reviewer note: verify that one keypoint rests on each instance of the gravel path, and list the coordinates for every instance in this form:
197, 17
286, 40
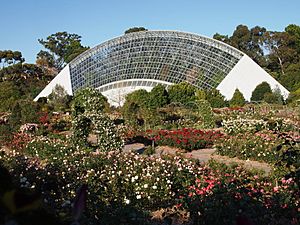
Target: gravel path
203, 155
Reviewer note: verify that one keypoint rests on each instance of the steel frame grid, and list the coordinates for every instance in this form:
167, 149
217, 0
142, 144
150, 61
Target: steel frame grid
169, 56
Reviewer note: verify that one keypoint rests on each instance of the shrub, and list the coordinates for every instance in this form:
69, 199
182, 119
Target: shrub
237, 99
188, 139
259, 147
260, 90
88, 99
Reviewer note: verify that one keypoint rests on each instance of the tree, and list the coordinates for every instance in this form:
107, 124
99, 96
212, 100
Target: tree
281, 49
45, 59
130, 111
135, 29
158, 97
9, 57
182, 93
64, 46
206, 114
248, 41
294, 31
215, 98
220, 37
59, 98
237, 99
260, 90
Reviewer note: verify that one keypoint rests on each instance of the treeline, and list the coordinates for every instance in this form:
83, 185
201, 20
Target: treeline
278, 52
21, 81
141, 106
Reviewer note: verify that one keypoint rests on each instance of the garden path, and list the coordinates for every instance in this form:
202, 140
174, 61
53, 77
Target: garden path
203, 155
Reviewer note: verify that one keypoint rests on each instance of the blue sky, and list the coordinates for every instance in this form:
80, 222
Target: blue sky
23, 22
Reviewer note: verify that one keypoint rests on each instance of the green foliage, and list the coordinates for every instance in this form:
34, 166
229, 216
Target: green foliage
200, 95
44, 58
59, 99
88, 118
140, 97
9, 93
158, 97
215, 98
24, 111
274, 98
206, 114
15, 119
9, 57
131, 111
291, 78
64, 46
107, 136
182, 93
135, 108
237, 99
289, 159
294, 97
250, 146
260, 90
5, 134
88, 99
135, 29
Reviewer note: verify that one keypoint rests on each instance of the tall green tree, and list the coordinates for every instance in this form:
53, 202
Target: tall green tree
282, 53
246, 40
260, 90
237, 99
64, 46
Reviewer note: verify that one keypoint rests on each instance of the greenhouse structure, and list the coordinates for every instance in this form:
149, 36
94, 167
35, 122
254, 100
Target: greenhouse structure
141, 60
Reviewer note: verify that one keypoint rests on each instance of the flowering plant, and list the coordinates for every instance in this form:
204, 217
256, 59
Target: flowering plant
185, 138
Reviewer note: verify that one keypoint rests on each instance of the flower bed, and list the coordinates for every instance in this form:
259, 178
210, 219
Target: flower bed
186, 138
118, 182
259, 146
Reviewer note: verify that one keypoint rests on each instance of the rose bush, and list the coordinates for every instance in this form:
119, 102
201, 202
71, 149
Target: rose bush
185, 138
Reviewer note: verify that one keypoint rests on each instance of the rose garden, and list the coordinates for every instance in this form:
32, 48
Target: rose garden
71, 167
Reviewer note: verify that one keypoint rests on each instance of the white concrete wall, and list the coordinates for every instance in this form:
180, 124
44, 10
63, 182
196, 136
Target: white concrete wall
116, 96
63, 79
245, 76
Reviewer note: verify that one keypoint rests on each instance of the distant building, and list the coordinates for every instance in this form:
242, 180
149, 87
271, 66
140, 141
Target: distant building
144, 59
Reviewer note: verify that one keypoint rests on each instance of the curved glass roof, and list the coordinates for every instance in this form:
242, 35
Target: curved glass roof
168, 56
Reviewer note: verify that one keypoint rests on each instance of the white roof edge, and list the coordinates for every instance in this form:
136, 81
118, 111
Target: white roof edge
62, 78
245, 76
